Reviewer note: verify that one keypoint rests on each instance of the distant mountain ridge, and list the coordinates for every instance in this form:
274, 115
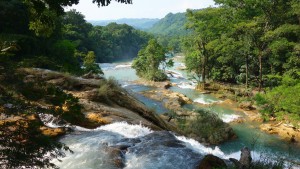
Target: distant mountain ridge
138, 23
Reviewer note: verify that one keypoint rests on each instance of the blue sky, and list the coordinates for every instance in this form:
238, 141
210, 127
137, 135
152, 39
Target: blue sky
139, 8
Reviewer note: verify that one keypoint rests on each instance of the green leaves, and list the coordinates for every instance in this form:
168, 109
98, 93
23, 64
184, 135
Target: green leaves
43, 14
90, 64
148, 61
282, 100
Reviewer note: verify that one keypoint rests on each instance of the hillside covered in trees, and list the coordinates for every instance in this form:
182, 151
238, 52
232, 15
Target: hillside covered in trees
170, 30
254, 44
142, 23
65, 44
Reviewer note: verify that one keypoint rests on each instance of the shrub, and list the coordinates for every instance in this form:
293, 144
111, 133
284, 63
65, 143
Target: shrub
89, 63
282, 101
205, 124
108, 88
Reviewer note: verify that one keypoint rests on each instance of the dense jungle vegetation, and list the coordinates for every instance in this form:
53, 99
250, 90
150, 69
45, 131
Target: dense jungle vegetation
249, 43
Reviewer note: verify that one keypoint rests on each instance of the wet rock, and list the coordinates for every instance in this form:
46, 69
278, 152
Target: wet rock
211, 162
157, 140
125, 143
245, 159
293, 139
115, 157
164, 147
164, 138
167, 85
122, 147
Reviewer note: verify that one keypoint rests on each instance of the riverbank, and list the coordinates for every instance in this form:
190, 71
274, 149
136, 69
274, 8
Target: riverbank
199, 125
234, 97
242, 100
70, 100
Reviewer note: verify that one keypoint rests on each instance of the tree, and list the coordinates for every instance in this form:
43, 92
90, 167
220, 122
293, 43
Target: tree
89, 63
207, 25
147, 64
13, 17
43, 14
269, 29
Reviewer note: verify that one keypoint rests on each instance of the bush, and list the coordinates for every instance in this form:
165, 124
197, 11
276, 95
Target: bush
156, 76
108, 88
282, 101
205, 124
208, 126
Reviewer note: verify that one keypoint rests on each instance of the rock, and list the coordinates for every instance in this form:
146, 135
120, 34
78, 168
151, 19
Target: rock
293, 140
8, 106
246, 106
115, 157
211, 162
246, 158
158, 139
91, 75
53, 132
97, 118
167, 85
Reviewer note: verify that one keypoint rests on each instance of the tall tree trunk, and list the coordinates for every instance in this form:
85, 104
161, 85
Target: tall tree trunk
260, 71
204, 69
204, 65
247, 70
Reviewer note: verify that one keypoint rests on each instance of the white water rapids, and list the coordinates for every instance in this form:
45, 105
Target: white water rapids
147, 149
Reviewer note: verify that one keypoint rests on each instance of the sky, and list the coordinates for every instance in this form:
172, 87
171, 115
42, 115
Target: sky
139, 8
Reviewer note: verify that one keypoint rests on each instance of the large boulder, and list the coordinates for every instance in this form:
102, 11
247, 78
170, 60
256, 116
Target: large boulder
115, 157
245, 159
211, 162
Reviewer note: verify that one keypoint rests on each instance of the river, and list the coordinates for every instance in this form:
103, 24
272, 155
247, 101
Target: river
89, 145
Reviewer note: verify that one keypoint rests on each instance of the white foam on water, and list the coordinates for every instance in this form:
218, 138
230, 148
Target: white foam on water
202, 100
227, 118
48, 120
106, 66
187, 85
89, 150
174, 74
123, 66
198, 147
127, 130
